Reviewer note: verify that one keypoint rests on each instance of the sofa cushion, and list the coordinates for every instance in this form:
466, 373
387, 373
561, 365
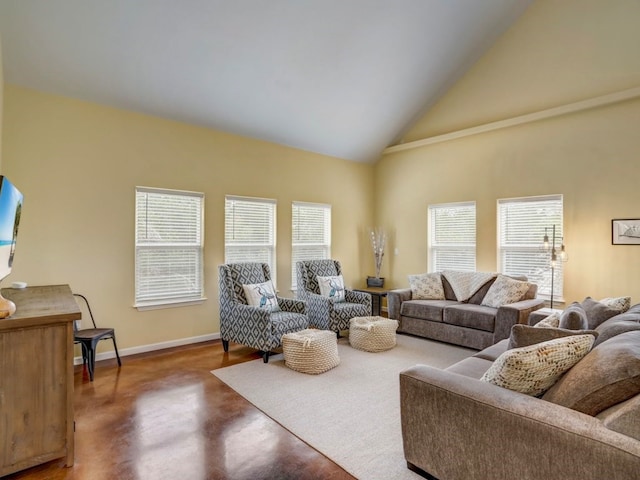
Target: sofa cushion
505, 290
473, 367
626, 322
425, 309
426, 286
608, 375
525, 335
623, 418
494, 351
533, 369
471, 316
597, 312
574, 318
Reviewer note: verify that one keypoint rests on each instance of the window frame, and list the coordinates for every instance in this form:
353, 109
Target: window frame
197, 295
270, 246
324, 244
432, 245
541, 275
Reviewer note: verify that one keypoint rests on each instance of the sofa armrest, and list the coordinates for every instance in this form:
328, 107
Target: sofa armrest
455, 426
508, 315
394, 301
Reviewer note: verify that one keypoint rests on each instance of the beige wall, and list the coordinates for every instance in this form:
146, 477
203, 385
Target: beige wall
78, 164
557, 53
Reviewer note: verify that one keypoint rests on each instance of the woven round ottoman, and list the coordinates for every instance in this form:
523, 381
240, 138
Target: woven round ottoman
310, 351
372, 334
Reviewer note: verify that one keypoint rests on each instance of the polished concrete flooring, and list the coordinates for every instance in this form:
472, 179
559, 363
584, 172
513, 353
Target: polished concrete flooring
163, 415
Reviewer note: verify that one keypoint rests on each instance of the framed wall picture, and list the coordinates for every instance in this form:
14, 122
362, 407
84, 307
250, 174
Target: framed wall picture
625, 231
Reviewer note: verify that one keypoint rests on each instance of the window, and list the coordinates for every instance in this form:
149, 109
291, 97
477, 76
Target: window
250, 231
169, 247
311, 234
521, 229
452, 237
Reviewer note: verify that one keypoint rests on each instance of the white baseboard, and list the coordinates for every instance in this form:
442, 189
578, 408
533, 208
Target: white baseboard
151, 347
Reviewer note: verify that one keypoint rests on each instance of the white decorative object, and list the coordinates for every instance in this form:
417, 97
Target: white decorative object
261, 295
378, 239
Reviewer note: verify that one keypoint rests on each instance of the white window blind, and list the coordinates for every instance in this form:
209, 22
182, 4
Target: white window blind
311, 234
250, 231
521, 229
169, 247
452, 237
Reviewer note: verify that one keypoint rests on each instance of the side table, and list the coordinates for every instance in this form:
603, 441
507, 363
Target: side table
377, 293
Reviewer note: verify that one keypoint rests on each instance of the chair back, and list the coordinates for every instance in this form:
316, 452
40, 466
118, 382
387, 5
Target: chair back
307, 272
84, 304
234, 275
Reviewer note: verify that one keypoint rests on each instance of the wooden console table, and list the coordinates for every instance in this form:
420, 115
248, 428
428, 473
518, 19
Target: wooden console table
36, 377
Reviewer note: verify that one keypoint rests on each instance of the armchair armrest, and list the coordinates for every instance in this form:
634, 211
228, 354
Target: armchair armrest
292, 305
498, 433
352, 296
257, 316
394, 301
509, 315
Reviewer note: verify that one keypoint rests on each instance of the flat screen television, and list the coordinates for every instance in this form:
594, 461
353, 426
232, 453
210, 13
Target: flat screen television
10, 211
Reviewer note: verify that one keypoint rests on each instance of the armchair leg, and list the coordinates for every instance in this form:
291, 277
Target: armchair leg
265, 357
225, 345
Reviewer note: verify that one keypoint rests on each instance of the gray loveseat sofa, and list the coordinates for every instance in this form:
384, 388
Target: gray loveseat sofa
469, 324
455, 426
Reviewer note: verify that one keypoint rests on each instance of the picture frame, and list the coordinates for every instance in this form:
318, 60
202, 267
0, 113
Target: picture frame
625, 231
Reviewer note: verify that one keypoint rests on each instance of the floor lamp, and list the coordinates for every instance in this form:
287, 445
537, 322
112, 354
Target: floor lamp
556, 255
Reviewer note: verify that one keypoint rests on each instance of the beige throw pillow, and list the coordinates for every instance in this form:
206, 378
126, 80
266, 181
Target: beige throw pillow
426, 286
552, 321
621, 304
261, 295
533, 370
505, 290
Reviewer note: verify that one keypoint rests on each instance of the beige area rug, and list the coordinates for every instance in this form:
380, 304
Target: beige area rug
351, 413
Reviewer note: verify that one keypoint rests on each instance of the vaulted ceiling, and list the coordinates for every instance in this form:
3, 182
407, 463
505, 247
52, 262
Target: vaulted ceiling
343, 78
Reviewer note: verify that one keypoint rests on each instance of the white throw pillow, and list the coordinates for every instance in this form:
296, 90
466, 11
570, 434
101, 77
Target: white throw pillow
332, 287
552, 321
505, 290
534, 369
426, 286
261, 295
617, 303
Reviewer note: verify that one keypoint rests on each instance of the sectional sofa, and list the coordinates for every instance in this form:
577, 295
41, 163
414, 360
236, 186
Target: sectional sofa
456, 426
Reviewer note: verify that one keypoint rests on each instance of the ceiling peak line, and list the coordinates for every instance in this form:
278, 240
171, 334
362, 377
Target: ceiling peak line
595, 102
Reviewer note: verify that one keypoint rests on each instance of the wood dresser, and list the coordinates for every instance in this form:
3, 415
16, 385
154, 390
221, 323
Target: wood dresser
36, 377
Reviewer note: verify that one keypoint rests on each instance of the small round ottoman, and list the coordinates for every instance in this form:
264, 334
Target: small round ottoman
310, 351
372, 334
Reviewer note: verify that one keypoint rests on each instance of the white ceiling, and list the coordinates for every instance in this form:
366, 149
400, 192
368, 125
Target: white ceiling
339, 77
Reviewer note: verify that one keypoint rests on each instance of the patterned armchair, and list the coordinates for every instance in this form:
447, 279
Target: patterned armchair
324, 312
254, 327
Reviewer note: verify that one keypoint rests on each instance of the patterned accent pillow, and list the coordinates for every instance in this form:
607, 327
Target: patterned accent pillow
261, 295
426, 286
622, 304
552, 321
533, 370
332, 286
505, 290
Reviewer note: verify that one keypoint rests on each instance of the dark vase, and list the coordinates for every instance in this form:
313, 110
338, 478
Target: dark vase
375, 281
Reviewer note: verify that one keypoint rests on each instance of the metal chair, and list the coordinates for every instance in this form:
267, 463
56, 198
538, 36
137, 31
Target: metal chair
88, 338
